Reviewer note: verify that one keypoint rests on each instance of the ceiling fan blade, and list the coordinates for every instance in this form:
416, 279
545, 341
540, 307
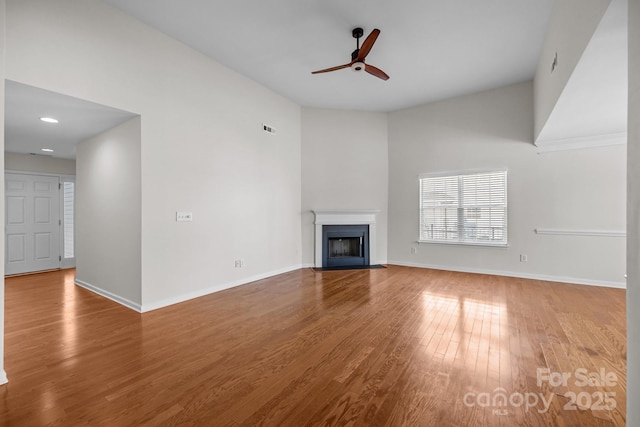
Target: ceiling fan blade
368, 44
375, 71
326, 70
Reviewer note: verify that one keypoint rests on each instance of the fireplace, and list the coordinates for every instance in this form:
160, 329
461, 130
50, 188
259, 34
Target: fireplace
351, 243
345, 246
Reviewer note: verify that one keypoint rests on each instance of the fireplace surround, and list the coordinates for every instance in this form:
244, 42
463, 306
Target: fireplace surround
352, 240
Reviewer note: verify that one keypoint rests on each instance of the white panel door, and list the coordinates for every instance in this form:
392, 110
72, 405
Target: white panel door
32, 223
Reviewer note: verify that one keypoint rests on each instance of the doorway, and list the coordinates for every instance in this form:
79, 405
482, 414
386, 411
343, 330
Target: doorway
39, 191
39, 223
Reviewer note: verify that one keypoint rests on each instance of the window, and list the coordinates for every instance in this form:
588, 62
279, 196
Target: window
68, 193
469, 208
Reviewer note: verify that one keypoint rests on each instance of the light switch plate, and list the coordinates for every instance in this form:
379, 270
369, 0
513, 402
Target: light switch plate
184, 216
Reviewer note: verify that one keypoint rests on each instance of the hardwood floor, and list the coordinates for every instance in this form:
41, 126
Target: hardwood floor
395, 346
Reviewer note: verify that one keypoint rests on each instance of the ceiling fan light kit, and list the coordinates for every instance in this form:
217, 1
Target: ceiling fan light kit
358, 56
358, 66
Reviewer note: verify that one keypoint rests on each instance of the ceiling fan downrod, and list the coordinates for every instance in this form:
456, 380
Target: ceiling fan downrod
356, 33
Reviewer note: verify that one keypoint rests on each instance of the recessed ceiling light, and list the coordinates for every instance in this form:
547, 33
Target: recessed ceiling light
48, 150
48, 119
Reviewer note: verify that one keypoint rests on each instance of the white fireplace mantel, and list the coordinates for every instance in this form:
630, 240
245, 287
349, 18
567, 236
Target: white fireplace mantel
346, 217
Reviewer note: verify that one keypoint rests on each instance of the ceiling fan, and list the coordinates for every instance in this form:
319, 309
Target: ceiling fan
358, 56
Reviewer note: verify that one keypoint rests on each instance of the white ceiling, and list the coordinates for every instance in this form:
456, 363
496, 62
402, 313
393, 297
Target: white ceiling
594, 101
79, 120
431, 49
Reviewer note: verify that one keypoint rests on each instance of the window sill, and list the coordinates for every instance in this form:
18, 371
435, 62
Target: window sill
484, 245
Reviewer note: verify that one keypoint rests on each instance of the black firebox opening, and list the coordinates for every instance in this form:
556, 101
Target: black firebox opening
345, 245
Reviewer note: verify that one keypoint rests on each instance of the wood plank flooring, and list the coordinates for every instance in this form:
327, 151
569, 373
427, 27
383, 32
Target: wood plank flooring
387, 347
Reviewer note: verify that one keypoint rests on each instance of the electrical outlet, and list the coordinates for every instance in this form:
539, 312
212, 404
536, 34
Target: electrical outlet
184, 216
239, 263
414, 251
523, 258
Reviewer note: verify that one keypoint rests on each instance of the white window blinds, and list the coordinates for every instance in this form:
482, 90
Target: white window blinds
467, 208
68, 189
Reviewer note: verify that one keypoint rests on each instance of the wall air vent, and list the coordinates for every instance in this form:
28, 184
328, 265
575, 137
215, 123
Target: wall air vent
268, 129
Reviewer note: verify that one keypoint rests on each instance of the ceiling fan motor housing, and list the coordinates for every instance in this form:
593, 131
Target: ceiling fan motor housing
358, 66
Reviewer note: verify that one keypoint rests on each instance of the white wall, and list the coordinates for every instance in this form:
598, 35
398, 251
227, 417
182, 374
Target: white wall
572, 24
633, 224
39, 164
3, 376
568, 190
344, 166
594, 99
203, 149
108, 213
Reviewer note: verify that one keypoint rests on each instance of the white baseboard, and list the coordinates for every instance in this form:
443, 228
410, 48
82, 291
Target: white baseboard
206, 291
212, 289
113, 297
546, 278
3, 377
